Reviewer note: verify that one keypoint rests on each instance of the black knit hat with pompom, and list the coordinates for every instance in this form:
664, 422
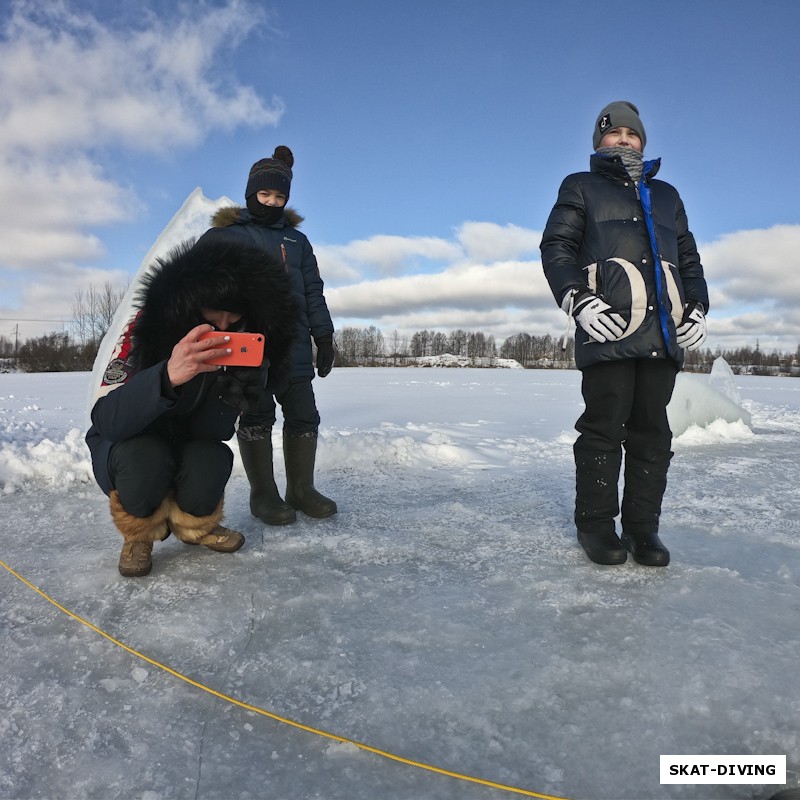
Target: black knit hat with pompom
272, 173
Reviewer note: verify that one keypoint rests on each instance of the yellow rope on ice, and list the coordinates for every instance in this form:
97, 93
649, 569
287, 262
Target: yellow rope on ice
276, 717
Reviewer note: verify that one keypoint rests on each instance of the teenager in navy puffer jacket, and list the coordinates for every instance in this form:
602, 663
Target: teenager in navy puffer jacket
620, 258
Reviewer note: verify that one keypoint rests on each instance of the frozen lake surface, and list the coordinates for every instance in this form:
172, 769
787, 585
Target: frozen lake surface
446, 614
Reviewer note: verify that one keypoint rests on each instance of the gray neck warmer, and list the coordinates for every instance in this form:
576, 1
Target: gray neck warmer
631, 159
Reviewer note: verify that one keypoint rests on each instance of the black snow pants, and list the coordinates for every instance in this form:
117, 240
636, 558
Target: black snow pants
299, 407
145, 468
626, 405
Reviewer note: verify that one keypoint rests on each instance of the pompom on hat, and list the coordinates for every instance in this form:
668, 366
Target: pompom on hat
272, 173
618, 114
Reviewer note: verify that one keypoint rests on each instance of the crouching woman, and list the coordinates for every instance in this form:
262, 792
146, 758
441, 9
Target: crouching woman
163, 412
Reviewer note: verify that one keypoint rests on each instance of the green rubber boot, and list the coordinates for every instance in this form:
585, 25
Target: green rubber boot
265, 502
300, 454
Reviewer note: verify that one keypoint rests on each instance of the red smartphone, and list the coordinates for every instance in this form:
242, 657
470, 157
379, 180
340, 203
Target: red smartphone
247, 349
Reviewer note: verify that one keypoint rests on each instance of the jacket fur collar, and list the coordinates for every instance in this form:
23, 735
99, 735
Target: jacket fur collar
231, 215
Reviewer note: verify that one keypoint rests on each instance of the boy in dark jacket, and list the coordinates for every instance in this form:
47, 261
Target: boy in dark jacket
273, 228
620, 258
163, 412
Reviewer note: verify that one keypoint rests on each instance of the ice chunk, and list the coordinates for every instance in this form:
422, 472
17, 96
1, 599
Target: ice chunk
721, 379
699, 401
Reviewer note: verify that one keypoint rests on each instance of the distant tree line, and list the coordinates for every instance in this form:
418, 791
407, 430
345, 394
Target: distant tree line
93, 312
746, 360
74, 351
368, 347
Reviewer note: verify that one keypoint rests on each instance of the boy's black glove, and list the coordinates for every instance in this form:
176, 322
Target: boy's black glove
324, 354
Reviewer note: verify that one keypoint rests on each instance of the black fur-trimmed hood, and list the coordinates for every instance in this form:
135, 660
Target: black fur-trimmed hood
198, 275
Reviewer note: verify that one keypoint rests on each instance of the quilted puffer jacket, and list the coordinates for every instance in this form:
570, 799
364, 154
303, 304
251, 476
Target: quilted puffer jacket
630, 244
283, 241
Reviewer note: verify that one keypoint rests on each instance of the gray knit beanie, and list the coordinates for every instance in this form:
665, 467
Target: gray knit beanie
618, 114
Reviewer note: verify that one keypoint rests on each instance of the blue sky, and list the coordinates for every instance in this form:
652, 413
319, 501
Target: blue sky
430, 140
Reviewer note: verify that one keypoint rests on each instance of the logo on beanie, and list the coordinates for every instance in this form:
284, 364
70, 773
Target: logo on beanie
605, 122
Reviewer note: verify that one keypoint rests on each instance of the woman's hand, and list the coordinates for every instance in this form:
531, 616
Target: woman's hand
189, 356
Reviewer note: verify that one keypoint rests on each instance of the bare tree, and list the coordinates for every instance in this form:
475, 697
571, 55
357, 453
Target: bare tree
93, 310
397, 346
346, 343
6, 347
421, 343
438, 344
372, 345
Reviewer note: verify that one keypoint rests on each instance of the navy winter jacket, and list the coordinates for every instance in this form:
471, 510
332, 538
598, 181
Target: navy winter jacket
632, 246
147, 404
285, 242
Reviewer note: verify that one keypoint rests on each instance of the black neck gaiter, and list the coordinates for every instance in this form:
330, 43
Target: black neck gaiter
264, 215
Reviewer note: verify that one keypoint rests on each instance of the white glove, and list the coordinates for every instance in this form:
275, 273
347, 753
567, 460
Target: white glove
592, 314
691, 333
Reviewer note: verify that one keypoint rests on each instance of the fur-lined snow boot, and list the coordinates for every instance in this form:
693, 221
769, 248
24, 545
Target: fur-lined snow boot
139, 533
300, 453
265, 501
206, 531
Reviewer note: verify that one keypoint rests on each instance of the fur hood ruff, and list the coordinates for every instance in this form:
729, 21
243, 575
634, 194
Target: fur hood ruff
229, 215
192, 276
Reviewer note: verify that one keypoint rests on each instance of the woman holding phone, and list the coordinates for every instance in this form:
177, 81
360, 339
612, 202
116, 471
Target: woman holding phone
164, 410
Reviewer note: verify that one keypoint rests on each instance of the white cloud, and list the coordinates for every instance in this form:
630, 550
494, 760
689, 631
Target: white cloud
44, 204
501, 299
757, 267
51, 298
754, 286
488, 241
500, 294
468, 286
391, 255
69, 81
73, 87
386, 255
482, 283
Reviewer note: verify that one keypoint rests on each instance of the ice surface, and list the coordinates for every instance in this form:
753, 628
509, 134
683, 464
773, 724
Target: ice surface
446, 614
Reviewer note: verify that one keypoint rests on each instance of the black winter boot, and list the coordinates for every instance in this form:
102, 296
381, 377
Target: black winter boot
603, 548
647, 549
265, 502
300, 453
